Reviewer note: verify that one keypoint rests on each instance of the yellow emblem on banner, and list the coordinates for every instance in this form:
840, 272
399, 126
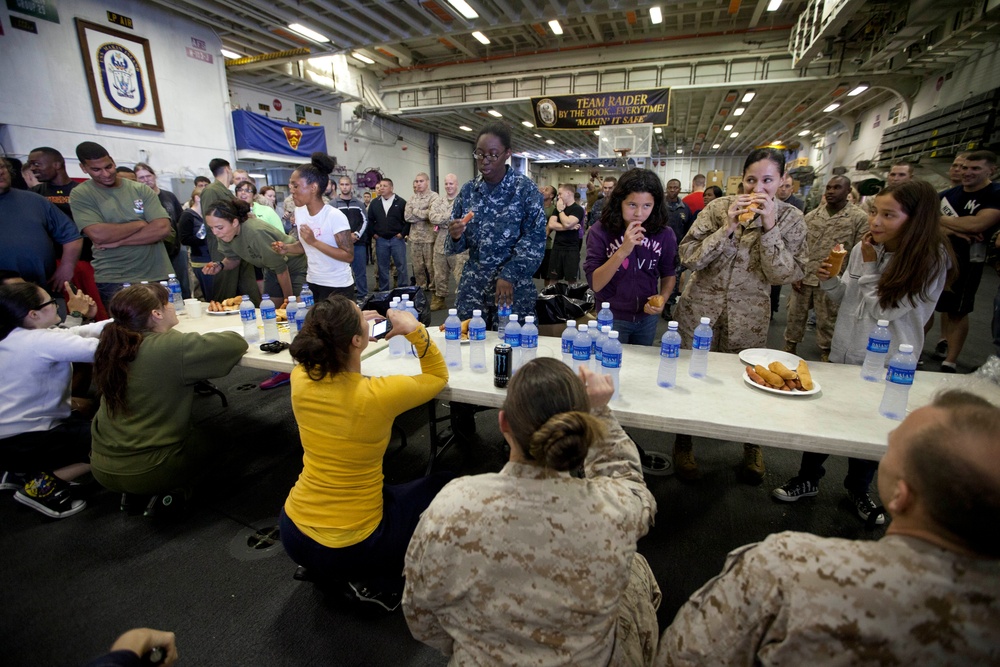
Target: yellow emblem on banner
293, 136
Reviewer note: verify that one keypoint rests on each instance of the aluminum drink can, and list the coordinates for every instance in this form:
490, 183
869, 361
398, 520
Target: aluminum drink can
503, 356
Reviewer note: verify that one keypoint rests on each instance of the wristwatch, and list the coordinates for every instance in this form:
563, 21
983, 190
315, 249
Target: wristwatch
76, 313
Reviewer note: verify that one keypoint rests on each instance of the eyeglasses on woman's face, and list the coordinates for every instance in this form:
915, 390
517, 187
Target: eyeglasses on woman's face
486, 157
47, 303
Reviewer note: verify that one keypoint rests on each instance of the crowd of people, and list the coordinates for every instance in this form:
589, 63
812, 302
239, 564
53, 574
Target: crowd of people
536, 563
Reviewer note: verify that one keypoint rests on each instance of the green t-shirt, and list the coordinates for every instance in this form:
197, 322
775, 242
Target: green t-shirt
160, 394
267, 214
253, 244
128, 202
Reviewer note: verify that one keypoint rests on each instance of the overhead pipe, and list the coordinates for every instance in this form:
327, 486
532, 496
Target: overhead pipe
267, 59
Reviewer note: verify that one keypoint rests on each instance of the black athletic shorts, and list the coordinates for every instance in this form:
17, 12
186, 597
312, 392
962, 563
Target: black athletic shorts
960, 299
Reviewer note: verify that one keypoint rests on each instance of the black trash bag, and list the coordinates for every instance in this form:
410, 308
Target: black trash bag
380, 301
580, 293
557, 309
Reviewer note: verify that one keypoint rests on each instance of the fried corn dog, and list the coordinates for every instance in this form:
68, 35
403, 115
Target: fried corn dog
784, 371
805, 377
770, 377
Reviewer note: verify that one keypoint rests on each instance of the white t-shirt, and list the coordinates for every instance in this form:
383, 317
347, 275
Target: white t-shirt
325, 225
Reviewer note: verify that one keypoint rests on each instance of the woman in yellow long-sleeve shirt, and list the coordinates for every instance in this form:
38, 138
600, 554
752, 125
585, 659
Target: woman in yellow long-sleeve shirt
340, 521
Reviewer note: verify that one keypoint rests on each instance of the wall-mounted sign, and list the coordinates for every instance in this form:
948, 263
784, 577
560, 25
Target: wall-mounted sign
300, 112
23, 24
263, 107
119, 19
276, 103
199, 44
119, 68
199, 55
39, 9
574, 112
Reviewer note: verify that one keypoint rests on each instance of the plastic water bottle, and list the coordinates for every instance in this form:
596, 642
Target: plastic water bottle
898, 380
453, 340
595, 333
512, 336
248, 315
581, 348
503, 313
306, 296
529, 340
290, 311
602, 338
877, 351
605, 318
176, 297
407, 305
398, 345
670, 351
568, 336
270, 319
611, 362
300, 317
477, 342
698, 368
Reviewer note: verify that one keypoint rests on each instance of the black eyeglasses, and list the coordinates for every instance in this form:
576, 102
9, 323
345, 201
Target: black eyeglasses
47, 303
244, 190
486, 157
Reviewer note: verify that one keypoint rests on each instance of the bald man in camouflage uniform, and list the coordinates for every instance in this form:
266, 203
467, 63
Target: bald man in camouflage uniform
837, 222
445, 265
422, 234
926, 593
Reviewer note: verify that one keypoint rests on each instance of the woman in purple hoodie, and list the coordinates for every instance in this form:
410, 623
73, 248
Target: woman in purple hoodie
632, 255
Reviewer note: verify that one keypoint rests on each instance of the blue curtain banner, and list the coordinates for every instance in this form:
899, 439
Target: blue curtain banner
627, 107
255, 132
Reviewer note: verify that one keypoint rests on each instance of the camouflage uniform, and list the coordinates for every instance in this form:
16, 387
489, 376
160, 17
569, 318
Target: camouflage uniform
443, 262
733, 276
505, 239
533, 566
796, 599
823, 232
422, 237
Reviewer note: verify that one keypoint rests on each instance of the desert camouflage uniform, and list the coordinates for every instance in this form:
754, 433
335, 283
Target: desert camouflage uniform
823, 232
422, 237
443, 262
733, 276
530, 566
505, 239
798, 599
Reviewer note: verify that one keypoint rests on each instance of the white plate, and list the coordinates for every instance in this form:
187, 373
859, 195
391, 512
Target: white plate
814, 390
764, 356
222, 312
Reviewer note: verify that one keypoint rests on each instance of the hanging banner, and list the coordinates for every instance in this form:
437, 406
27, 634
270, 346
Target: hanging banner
574, 112
259, 133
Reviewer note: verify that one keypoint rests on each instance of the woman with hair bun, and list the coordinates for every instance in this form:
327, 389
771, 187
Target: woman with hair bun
242, 236
143, 439
324, 232
534, 565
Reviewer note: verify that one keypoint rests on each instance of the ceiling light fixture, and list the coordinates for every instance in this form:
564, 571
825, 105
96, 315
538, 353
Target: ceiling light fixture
494, 113
658, 130
597, 132
716, 145
464, 9
655, 15
232, 55
726, 128
538, 136
481, 38
749, 95
858, 89
465, 128
569, 152
680, 150
739, 111
733, 135
773, 5
555, 27
550, 142
526, 123
832, 107
601, 166
804, 133
363, 58
583, 155
307, 32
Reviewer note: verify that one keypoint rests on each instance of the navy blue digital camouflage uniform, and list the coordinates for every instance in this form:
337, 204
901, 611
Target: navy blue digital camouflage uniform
505, 239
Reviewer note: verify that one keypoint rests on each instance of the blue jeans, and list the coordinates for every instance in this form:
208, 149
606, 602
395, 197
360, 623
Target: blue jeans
180, 264
108, 290
396, 250
860, 472
378, 557
360, 267
637, 333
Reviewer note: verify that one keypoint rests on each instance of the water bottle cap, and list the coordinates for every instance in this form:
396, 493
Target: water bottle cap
906, 349
291, 299
171, 275
528, 319
513, 318
246, 297
305, 285
476, 313
883, 323
453, 311
570, 323
606, 304
672, 324
706, 320
267, 296
613, 334
582, 327
606, 328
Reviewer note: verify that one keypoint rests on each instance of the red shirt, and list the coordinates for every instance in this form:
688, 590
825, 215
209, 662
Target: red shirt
695, 201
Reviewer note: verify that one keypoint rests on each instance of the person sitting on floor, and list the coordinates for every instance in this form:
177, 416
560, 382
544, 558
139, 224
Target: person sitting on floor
143, 439
926, 593
534, 565
340, 521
